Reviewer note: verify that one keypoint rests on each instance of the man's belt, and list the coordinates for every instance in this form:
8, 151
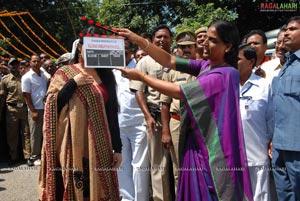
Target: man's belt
175, 116
16, 104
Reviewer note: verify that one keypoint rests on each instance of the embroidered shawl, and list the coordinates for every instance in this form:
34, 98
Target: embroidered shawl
77, 153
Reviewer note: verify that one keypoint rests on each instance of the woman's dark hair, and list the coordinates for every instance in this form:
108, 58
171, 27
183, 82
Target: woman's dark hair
108, 79
248, 52
229, 34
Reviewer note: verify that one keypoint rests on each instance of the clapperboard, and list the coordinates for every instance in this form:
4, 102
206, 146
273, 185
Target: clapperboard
104, 52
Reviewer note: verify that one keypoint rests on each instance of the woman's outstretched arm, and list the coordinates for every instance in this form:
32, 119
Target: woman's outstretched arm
168, 88
158, 54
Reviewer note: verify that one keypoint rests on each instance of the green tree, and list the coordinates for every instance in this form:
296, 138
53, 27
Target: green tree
141, 17
203, 15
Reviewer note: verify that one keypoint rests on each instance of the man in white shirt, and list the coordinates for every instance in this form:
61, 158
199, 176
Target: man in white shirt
273, 66
34, 88
134, 175
254, 114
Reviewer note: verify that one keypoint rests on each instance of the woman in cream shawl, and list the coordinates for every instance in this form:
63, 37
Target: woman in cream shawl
82, 146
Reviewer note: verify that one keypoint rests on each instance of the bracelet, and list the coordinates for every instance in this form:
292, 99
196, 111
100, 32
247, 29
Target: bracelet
143, 78
147, 46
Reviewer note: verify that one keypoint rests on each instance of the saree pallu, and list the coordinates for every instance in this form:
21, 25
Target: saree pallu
212, 151
77, 153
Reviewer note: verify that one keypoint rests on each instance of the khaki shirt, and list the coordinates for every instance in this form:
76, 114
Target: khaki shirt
10, 89
148, 66
178, 78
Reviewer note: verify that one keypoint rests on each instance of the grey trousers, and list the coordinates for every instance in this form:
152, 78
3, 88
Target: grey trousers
36, 134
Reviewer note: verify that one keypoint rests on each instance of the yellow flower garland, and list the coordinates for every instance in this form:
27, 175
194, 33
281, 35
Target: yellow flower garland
4, 50
39, 47
5, 13
6, 40
37, 37
8, 30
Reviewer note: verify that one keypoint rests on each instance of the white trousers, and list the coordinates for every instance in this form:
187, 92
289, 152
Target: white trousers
134, 175
260, 182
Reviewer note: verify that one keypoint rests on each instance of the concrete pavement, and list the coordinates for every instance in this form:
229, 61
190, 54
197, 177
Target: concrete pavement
19, 182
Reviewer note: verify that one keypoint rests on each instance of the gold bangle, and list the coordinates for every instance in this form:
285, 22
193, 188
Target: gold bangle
143, 78
147, 46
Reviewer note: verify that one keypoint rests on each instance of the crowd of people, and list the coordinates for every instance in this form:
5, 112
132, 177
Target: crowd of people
23, 87
212, 118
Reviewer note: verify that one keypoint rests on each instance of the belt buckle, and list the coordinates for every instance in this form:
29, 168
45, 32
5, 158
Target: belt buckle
20, 104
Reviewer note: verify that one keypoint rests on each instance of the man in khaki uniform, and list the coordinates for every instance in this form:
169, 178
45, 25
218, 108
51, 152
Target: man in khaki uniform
16, 112
170, 114
201, 36
148, 100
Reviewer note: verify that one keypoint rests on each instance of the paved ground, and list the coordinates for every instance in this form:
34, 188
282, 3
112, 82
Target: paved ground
18, 183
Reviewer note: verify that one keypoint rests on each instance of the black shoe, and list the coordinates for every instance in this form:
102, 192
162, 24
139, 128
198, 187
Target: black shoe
30, 162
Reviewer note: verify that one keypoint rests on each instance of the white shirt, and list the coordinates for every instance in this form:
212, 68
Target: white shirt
271, 68
37, 87
130, 113
253, 107
48, 76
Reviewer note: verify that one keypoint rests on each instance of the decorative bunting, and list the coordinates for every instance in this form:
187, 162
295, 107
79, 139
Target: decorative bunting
33, 41
47, 33
6, 40
5, 51
9, 31
36, 36
5, 13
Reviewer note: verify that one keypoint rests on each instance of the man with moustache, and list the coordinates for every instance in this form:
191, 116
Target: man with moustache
273, 66
148, 100
286, 101
34, 88
258, 40
170, 112
50, 67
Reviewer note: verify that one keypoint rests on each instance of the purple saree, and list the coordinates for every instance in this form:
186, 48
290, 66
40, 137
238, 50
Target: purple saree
212, 154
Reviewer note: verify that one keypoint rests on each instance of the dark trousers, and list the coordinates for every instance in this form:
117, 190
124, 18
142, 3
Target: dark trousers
286, 171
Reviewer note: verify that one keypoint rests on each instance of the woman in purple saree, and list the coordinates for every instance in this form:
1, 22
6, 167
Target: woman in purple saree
212, 153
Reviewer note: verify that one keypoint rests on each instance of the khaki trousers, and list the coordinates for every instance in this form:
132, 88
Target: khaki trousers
175, 130
159, 163
16, 124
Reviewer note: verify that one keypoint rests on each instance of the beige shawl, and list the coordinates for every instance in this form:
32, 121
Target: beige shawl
77, 154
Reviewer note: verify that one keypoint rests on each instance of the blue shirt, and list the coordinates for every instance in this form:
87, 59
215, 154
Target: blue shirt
285, 96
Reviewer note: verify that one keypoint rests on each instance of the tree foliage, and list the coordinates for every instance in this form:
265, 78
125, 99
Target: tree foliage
139, 16
203, 15
143, 17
